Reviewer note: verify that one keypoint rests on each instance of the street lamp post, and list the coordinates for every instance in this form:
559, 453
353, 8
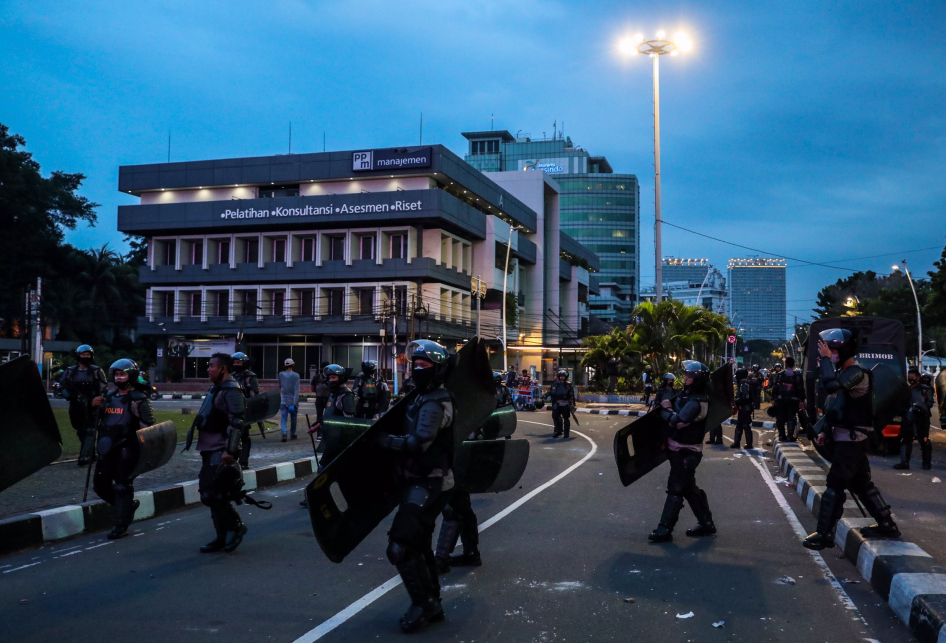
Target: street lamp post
512, 228
919, 320
655, 49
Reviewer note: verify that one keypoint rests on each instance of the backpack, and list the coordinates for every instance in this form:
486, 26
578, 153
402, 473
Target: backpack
369, 389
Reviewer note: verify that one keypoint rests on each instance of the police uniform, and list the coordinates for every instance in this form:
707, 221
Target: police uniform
755, 386
341, 403
686, 422
221, 427
80, 384
561, 396
916, 426
847, 421
743, 403
367, 390
423, 453
787, 391
123, 413
648, 381
249, 384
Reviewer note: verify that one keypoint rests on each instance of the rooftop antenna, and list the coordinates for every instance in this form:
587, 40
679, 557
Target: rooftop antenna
290, 137
323, 140
554, 129
421, 140
169, 146
492, 120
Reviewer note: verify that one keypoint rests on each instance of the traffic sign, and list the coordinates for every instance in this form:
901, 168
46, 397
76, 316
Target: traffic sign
732, 339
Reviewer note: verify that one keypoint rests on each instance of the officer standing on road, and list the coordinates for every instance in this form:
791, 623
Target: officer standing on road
503, 396
743, 403
80, 384
321, 391
686, 419
847, 421
561, 397
755, 386
220, 422
341, 403
367, 390
665, 391
250, 386
424, 451
612, 372
916, 423
788, 393
124, 411
288, 398
647, 379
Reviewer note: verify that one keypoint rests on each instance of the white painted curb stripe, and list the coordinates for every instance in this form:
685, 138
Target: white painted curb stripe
285, 471
61, 522
871, 549
191, 495
905, 587
146, 509
327, 626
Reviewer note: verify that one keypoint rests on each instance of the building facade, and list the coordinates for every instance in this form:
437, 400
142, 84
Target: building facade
695, 282
346, 256
757, 298
598, 208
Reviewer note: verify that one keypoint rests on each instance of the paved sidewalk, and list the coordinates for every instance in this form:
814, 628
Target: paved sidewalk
62, 484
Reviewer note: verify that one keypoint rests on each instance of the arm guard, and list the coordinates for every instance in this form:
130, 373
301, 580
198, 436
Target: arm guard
399, 443
689, 413
236, 407
347, 403
252, 385
144, 411
102, 383
829, 377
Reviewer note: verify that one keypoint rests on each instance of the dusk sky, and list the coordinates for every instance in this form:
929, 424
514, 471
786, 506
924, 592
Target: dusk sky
812, 129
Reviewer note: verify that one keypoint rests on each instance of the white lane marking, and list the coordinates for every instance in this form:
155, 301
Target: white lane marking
78, 551
21, 567
56, 551
99, 545
369, 598
800, 533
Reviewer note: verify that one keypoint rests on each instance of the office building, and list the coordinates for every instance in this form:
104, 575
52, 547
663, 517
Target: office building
695, 282
757, 298
345, 256
598, 208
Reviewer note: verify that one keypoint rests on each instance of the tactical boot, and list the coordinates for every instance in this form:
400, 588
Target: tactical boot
828, 516
880, 511
449, 534
700, 507
668, 519
236, 539
125, 507
217, 543
926, 449
734, 445
906, 450
566, 435
557, 434
425, 605
469, 558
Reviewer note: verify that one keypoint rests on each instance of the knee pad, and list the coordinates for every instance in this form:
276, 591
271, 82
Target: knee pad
417, 496
396, 552
449, 513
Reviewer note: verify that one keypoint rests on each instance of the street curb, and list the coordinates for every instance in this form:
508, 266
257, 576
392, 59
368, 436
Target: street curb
51, 525
908, 578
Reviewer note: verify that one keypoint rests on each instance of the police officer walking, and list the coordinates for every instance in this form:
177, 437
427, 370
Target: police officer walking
561, 396
755, 380
916, 423
220, 422
847, 421
665, 391
424, 452
124, 411
788, 393
367, 390
686, 419
250, 386
743, 403
80, 384
320, 388
503, 396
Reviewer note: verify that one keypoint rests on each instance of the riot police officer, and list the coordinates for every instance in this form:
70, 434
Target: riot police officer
424, 451
665, 391
341, 403
788, 393
561, 397
743, 403
80, 384
686, 420
916, 422
246, 378
847, 421
367, 390
124, 411
755, 380
503, 396
220, 422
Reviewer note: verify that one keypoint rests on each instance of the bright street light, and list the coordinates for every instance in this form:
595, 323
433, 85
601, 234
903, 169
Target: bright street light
655, 49
919, 321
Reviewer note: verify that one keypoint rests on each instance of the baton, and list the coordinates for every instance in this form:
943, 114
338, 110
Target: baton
312, 437
88, 475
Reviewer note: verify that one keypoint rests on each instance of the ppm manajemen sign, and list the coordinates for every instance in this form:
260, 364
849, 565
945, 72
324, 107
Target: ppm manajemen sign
391, 159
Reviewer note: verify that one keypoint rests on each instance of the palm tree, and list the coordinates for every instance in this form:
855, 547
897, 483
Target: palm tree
600, 349
667, 333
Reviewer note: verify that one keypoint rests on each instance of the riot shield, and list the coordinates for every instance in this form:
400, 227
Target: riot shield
490, 466
940, 385
358, 489
338, 432
261, 407
641, 446
890, 395
501, 424
156, 445
29, 435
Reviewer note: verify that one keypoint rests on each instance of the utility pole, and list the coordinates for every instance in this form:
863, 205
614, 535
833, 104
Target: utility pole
37, 324
479, 291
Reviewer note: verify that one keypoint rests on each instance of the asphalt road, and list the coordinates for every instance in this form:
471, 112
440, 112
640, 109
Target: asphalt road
567, 552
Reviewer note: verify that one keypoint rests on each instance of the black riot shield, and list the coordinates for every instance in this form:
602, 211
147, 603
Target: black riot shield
29, 435
358, 489
490, 466
501, 424
641, 446
940, 386
338, 432
156, 445
261, 407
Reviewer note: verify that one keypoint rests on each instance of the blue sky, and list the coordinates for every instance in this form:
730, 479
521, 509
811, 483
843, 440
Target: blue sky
813, 129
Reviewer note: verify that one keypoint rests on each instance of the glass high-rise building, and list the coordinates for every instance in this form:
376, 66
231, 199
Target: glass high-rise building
598, 208
757, 298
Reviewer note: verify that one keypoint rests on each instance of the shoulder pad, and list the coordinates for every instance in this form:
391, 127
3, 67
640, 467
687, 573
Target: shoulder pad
852, 375
230, 383
138, 395
249, 373
93, 367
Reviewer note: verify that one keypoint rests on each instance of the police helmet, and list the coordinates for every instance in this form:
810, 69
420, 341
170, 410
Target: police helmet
335, 369
755, 367
85, 348
926, 377
562, 372
435, 354
669, 378
841, 340
241, 356
125, 365
776, 365
741, 374
498, 377
697, 370
369, 367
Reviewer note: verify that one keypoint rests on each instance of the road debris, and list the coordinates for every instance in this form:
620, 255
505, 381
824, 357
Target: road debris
786, 580
719, 624
687, 615
936, 480
628, 600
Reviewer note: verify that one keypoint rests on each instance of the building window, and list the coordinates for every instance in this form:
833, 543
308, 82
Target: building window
279, 302
165, 304
197, 253
365, 301
366, 245
397, 246
223, 304
277, 191
195, 304
279, 250
308, 249
307, 303
334, 299
248, 302
170, 253
484, 147
251, 251
223, 252
336, 249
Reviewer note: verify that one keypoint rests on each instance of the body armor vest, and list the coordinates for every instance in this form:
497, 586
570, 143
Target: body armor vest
84, 382
118, 420
560, 392
693, 432
440, 452
217, 420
